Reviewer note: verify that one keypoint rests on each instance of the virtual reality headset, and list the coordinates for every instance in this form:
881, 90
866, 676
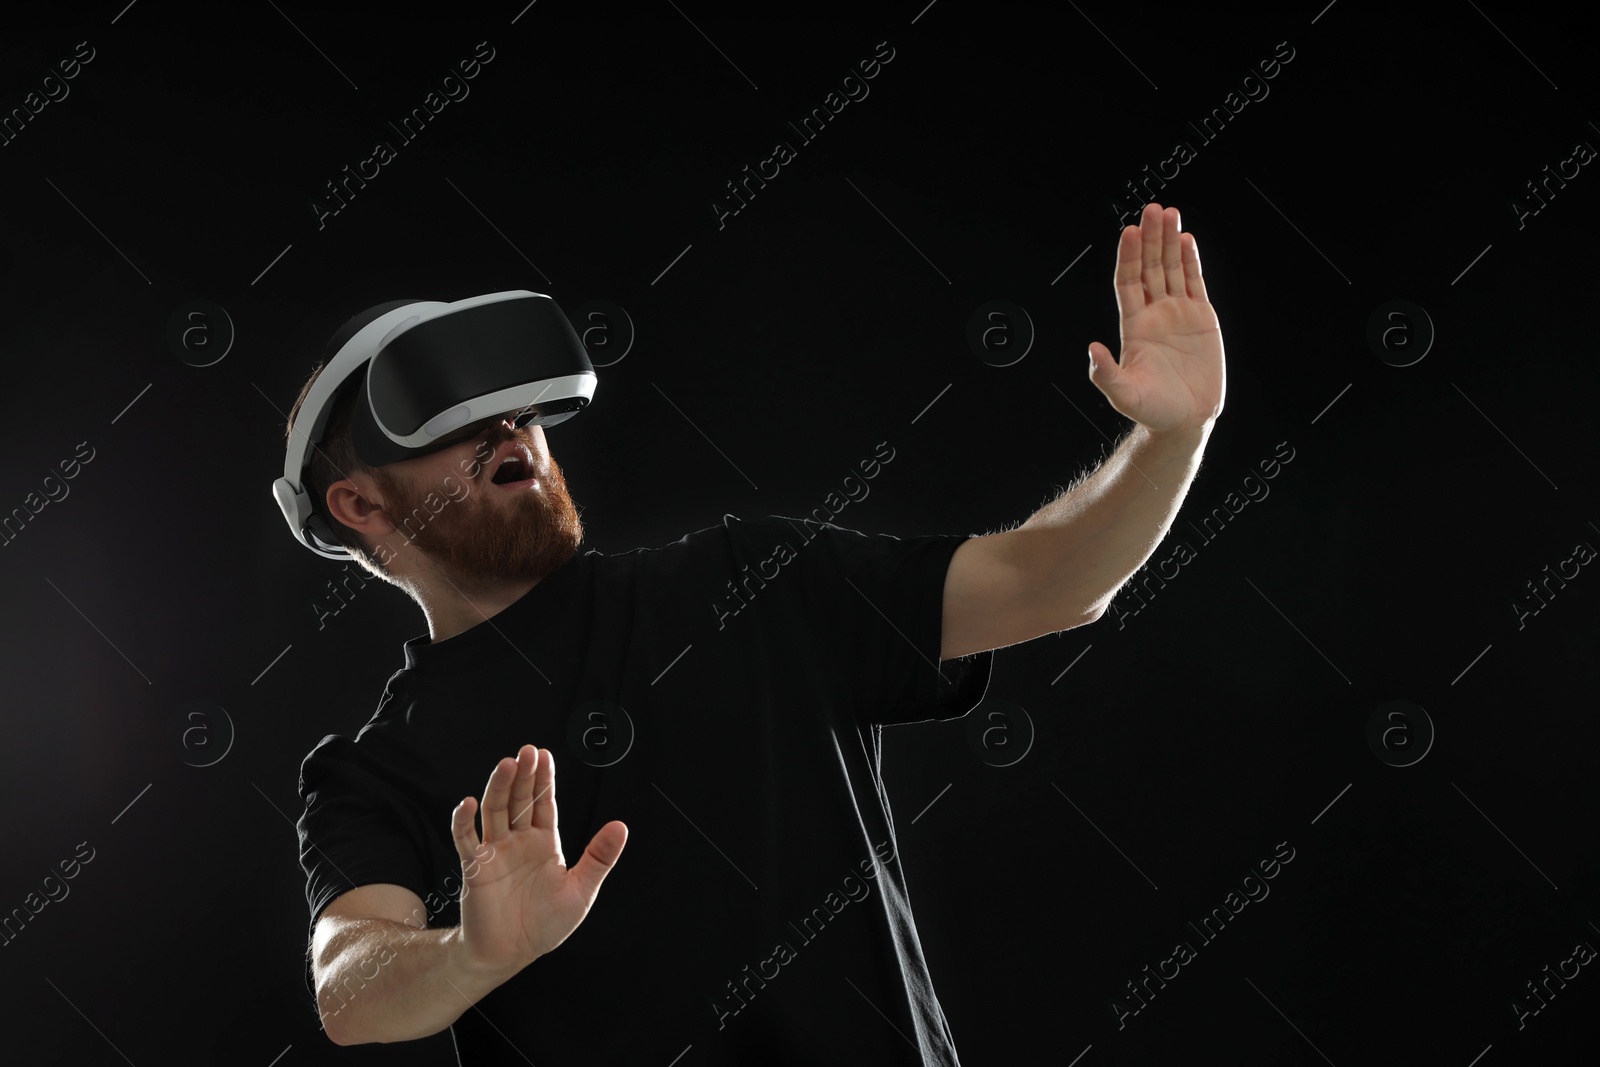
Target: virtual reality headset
429, 374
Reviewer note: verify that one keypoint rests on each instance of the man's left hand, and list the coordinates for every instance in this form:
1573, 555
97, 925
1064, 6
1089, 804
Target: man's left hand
1171, 378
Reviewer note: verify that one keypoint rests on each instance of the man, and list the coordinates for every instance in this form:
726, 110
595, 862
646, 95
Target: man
762, 916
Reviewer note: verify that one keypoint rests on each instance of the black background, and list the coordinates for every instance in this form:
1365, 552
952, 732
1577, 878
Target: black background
1228, 715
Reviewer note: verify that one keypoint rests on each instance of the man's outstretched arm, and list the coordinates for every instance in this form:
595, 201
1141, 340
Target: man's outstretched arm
519, 902
1062, 567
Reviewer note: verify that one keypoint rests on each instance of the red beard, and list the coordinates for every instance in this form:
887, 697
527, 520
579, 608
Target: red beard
490, 536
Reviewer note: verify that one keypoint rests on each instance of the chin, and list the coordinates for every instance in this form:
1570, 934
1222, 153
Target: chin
541, 533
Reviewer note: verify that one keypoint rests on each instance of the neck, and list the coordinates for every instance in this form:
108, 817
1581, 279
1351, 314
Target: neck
452, 609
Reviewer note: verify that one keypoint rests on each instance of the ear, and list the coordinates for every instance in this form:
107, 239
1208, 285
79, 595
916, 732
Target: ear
357, 502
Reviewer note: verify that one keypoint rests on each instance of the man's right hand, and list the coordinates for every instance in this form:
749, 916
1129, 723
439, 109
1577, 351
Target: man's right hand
520, 900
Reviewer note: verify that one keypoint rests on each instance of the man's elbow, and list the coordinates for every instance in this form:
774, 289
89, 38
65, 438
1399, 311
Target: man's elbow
333, 1016
331, 1026
330, 1030
1090, 614
1084, 618
1087, 613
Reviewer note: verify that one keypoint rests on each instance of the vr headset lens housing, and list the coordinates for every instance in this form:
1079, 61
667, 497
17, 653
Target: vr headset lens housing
438, 381
429, 375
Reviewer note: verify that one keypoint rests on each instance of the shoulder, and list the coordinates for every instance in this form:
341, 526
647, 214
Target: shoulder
340, 754
329, 758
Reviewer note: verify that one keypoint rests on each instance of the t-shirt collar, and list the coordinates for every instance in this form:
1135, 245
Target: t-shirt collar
543, 605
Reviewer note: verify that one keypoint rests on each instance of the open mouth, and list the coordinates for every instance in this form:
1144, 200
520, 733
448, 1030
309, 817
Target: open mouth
516, 469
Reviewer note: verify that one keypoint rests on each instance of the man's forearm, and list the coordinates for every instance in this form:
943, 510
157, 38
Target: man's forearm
392, 982
1081, 547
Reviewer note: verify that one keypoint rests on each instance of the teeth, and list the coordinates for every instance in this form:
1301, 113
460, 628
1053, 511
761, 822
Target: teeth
513, 467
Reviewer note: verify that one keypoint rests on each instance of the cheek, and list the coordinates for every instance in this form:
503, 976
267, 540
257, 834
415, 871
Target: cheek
473, 459
392, 484
406, 488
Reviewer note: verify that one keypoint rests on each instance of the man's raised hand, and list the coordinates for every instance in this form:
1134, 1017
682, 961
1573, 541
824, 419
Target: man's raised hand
1171, 377
520, 900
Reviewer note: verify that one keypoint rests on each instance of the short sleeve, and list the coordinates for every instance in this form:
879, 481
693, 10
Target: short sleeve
879, 601
357, 827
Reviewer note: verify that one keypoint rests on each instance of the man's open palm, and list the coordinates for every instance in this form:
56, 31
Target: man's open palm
520, 900
1171, 376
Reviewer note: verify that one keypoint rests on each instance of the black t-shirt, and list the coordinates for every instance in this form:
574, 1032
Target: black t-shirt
759, 913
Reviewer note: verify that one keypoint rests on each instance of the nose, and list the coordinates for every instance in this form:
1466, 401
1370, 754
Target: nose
506, 423
505, 428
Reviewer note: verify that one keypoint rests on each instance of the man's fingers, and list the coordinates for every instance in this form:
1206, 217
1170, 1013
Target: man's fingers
1102, 365
1191, 269
464, 831
1171, 257
496, 799
522, 787
544, 792
1151, 227
1130, 288
599, 858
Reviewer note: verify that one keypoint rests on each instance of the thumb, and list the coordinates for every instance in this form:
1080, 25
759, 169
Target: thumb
1102, 365
600, 857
